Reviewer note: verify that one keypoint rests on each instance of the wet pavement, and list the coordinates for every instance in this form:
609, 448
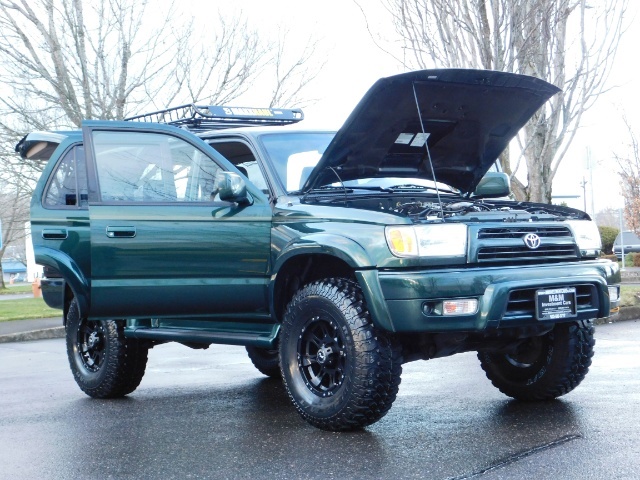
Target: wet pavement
210, 414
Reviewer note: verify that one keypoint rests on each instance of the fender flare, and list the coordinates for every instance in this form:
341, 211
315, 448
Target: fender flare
344, 248
350, 252
80, 285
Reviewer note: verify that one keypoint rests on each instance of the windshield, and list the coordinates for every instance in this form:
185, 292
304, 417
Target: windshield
295, 154
397, 183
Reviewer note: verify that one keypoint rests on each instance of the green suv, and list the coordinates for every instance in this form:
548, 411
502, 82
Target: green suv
333, 257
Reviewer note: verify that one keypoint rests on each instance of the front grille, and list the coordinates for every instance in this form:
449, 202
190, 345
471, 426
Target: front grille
519, 232
522, 303
506, 244
551, 252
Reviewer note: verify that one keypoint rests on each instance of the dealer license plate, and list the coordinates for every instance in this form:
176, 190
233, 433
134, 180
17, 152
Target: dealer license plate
556, 303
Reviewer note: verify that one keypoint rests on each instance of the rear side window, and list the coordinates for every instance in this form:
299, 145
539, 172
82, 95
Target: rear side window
68, 185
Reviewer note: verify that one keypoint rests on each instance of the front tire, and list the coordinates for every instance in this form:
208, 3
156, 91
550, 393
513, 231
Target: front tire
544, 367
340, 371
104, 363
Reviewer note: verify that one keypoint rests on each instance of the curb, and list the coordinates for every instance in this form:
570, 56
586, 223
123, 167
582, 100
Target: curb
625, 314
46, 333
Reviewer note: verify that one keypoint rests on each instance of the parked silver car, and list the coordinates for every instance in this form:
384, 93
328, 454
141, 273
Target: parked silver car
627, 240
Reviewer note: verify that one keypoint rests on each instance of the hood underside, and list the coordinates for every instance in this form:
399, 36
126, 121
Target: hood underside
465, 117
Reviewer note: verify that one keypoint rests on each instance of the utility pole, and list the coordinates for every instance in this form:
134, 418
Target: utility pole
583, 184
590, 164
622, 238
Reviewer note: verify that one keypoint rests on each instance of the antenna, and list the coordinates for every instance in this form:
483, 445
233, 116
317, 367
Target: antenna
346, 198
344, 188
426, 146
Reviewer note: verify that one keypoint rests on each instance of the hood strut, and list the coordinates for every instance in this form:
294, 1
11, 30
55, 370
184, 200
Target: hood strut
426, 146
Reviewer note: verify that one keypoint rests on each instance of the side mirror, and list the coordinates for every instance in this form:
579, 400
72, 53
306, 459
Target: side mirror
493, 184
232, 188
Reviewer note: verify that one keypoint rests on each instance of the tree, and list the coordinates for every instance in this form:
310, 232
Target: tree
569, 43
15, 193
69, 60
608, 217
608, 236
64, 61
629, 171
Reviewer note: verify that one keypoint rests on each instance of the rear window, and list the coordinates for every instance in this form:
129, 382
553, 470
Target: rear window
630, 238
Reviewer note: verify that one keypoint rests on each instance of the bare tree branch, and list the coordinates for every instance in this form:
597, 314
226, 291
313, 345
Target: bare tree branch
629, 171
569, 43
64, 61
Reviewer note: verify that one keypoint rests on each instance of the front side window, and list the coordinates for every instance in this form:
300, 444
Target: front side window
68, 185
150, 167
242, 157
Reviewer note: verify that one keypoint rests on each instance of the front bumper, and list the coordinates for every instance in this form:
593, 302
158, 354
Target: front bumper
398, 300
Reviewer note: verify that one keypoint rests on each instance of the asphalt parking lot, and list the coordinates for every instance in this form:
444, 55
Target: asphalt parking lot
210, 414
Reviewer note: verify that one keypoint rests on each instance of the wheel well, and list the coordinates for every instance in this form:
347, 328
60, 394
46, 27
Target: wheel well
298, 271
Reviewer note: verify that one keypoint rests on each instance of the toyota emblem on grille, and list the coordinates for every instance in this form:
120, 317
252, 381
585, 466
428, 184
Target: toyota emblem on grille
531, 240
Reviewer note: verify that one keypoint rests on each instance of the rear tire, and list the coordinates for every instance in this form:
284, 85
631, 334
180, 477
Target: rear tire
340, 371
265, 360
104, 363
544, 367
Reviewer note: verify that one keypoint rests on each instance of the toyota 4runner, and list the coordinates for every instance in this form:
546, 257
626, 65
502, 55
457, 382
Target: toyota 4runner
333, 257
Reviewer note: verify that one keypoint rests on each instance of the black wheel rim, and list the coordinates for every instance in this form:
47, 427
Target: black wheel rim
529, 353
322, 356
91, 345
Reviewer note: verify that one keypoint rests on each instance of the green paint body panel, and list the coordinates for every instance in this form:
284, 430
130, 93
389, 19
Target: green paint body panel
183, 260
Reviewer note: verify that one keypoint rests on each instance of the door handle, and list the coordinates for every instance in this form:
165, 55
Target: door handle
121, 232
54, 233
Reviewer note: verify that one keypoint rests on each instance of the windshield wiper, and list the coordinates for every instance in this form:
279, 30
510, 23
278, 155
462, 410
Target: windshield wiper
414, 187
372, 188
331, 188
351, 188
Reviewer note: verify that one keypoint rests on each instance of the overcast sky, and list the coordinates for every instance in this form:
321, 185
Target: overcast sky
355, 63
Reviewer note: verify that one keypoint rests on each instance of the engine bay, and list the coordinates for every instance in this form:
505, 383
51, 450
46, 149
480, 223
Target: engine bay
427, 207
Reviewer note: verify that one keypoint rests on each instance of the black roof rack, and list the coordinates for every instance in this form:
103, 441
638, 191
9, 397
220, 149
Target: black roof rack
200, 118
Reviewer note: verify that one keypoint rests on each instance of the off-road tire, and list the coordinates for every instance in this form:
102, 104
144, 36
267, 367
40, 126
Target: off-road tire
104, 363
355, 379
544, 367
265, 360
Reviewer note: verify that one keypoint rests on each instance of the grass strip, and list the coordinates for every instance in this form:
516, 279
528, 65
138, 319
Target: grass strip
12, 290
25, 309
629, 295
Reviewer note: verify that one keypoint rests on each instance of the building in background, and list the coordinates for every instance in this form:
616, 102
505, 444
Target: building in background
14, 271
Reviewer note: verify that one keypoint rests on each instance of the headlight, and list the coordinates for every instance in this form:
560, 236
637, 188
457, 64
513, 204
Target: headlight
587, 236
441, 240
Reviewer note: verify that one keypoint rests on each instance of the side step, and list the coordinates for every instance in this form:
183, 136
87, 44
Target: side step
255, 335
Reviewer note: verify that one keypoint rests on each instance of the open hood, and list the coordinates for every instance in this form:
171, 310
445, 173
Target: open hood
469, 117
